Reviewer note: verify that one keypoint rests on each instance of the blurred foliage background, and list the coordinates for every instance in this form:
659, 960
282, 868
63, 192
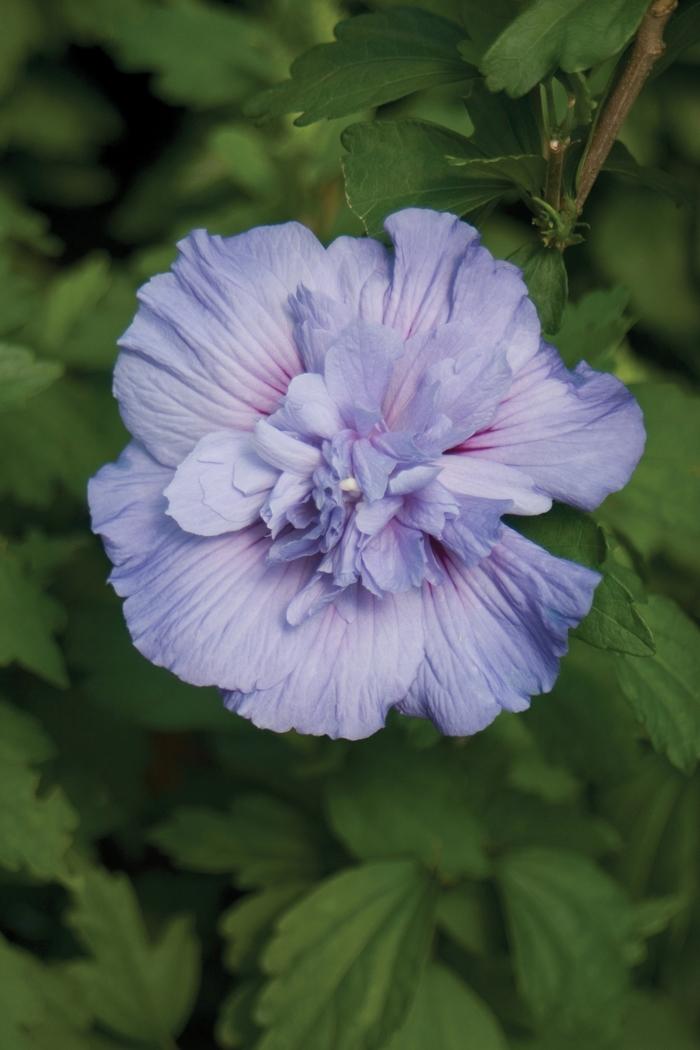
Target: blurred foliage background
170, 876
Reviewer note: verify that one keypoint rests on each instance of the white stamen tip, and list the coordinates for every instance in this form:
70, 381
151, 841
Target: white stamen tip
349, 485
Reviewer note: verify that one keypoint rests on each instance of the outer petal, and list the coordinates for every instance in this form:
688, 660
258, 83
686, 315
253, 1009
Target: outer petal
428, 247
127, 505
578, 435
348, 669
213, 610
495, 632
212, 344
203, 497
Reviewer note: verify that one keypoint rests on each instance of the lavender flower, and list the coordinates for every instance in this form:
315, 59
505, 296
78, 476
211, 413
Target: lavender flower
325, 441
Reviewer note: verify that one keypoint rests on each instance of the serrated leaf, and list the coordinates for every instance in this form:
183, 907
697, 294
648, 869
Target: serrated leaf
262, 840
36, 826
664, 691
662, 500
248, 923
346, 961
235, 1026
544, 271
592, 328
22, 375
376, 58
389, 801
571, 930
614, 621
28, 621
430, 174
570, 34
142, 989
446, 1013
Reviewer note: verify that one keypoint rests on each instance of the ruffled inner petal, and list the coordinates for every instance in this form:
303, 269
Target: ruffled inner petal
203, 497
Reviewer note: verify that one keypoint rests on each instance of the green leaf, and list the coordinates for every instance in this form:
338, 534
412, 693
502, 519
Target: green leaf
389, 801
516, 819
23, 30
235, 1026
264, 841
614, 621
544, 271
664, 691
142, 989
566, 533
245, 155
592, 328
86, 309
345, 962
571, 930
247, 925
502, 126
28, 621
36, 827
570, 34
201, 54
376, 58
662, 500
655, 1020
462, 914
22, 375
120, 679
484, 23
41, 1006
447, 1014
56, 441
439, 169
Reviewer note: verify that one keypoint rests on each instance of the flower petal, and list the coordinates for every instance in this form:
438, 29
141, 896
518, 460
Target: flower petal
358, 369
467, 379
578, 435
428, 247
212, 345
203, 498
347, 669
494, 633
308, 408
284, 451
127, 505
467, 474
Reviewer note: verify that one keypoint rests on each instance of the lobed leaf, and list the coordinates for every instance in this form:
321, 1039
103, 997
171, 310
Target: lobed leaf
345, 963
376, 58
572, 35
664, 691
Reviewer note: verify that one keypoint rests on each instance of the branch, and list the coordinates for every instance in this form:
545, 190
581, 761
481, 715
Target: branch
648, 47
